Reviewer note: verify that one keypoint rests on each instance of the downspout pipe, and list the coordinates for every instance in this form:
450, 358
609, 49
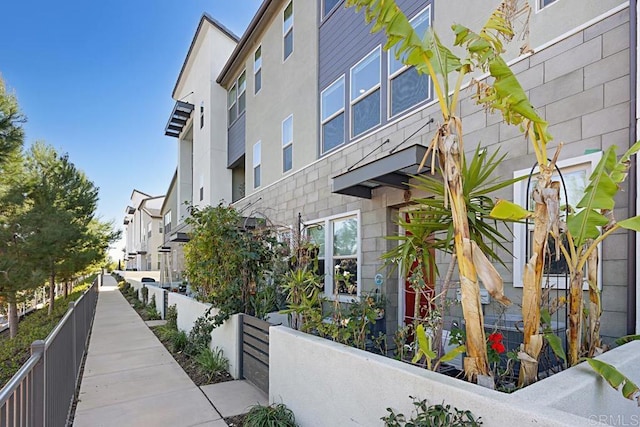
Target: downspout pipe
632, 273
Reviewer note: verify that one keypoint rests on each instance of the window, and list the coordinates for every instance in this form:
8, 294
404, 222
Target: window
231, 104
328, 5
160, 227
338, 240
544, 3
159, 260
201, 114
575, 173
287, 144
236, 98
407, 88
242, 88
201, 193
287, 31
149, 225
167, 222
256, 164
332, 115
257, 70
365, 93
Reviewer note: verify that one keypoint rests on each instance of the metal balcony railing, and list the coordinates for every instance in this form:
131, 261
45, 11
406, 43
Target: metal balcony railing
41, 393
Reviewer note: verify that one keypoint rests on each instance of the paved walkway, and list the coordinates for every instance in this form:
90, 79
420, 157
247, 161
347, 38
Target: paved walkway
130, 379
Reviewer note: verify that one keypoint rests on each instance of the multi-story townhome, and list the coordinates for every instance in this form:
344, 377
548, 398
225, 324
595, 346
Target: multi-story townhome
324, 127
144, 231
271, 103
198, 121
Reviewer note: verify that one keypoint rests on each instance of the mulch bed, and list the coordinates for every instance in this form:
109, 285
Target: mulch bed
235, 421
191, 367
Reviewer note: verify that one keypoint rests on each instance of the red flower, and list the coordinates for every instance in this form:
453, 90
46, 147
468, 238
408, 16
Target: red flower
495, 337
495, 342
498, 347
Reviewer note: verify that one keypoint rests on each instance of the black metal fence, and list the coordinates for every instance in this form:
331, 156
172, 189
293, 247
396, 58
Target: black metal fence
41, 393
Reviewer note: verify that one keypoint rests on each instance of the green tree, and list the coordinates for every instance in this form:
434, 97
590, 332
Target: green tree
17, 272
11, 120
63, 204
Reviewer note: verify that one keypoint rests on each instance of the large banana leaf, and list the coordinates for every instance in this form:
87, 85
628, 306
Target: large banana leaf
616, 379
599, 196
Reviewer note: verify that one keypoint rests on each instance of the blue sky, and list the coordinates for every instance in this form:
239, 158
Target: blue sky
94, 79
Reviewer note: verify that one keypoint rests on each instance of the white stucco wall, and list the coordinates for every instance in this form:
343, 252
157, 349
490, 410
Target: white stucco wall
288, 87
325, 383
202, 151
225, 336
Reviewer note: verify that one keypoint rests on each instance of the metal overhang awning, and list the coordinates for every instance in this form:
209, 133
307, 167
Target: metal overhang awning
392, 170
178, 119
179, 237
164, 249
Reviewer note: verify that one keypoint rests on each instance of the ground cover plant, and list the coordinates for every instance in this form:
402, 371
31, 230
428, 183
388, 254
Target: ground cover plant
14, 352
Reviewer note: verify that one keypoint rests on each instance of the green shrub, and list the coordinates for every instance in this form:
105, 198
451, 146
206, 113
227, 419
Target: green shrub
431, 416
200, 335
172, 317
276, 415
179, 341
212, 362
151, 311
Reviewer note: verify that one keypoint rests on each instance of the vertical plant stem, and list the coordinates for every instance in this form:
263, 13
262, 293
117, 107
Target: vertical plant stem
595, 307
451, 152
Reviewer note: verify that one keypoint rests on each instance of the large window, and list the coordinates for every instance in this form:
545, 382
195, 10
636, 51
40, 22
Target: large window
365, 93
287, 31
257, 70
236, 98
287, 144
338, 240
257, 160
328, 5
407, 87
332, 115
575, 173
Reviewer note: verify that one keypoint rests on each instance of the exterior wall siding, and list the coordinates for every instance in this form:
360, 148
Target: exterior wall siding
344, 40
236, 140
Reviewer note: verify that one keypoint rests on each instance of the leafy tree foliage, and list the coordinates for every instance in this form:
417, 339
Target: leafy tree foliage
227, 262
11, 119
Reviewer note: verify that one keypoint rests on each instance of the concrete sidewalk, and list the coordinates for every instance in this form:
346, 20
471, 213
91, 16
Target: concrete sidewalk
130, 379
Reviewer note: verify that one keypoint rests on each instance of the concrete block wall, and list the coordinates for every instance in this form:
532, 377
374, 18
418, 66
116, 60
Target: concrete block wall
579, 85
362, 385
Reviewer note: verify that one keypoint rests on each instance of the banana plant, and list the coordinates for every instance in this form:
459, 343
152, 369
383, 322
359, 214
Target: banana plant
483, 52
588, 223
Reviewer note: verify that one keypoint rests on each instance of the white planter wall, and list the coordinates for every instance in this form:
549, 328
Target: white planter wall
226, 336
325, 383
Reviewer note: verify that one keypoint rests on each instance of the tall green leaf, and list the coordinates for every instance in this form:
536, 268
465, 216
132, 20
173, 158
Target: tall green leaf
615, 379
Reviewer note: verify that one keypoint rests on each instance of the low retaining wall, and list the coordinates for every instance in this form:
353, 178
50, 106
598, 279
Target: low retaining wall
154, 289
226, 336
325, 383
